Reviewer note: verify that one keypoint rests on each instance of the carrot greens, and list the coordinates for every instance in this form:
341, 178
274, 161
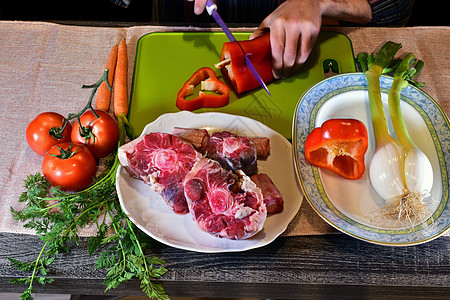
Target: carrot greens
57, 219
57, 216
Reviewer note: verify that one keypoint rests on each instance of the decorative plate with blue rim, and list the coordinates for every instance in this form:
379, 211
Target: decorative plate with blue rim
353, 206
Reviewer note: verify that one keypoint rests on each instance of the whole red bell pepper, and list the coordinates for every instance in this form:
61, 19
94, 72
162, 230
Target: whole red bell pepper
235, 69
338, 145
209, 82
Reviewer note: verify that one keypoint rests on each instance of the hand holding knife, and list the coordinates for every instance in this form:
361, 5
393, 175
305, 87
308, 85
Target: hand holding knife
211, 7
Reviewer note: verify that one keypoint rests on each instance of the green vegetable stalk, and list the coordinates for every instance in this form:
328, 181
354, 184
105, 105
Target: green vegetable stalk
402, 75
386, 167
374, 66
417, 166
388, 171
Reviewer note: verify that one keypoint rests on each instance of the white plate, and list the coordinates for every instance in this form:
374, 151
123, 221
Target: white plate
350, 206
149, 212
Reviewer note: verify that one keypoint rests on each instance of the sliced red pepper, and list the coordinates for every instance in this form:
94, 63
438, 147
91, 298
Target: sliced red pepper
338, 145
210, 82
236, 71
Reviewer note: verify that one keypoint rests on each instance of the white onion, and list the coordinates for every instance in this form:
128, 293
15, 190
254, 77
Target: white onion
387, 170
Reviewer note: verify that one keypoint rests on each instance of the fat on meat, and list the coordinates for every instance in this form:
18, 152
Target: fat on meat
222, 203
162, 160
233, 152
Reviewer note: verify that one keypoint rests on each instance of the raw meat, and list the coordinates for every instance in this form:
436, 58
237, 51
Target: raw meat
233, 152
271, 195
262, 146
163, 160
223, 204
199, 138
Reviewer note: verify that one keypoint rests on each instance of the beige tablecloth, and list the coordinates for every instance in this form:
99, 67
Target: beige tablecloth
44, 65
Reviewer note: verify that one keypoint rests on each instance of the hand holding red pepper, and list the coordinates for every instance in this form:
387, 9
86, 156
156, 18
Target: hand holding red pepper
338, 145
295, 25
234, 66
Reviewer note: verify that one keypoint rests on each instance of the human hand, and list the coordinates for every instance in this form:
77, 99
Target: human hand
294, 27
199, 6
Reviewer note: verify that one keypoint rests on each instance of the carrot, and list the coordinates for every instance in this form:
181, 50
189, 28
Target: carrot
103, 93
120, 82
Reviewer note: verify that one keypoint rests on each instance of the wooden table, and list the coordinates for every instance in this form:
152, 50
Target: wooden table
303, 267
331, 266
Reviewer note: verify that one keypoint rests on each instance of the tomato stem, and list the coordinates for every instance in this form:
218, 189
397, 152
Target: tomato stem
56, 132
86, 133
63, 153
94, 88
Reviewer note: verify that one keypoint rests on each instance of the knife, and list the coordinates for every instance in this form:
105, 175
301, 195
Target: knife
211, 8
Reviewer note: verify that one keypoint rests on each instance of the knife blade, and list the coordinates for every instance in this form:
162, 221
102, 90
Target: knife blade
211, 8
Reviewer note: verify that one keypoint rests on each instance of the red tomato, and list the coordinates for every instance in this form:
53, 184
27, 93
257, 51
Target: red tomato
70, 166
102, 133
40, 138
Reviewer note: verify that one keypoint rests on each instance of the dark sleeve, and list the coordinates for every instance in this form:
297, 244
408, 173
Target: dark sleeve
390, 12
121, 3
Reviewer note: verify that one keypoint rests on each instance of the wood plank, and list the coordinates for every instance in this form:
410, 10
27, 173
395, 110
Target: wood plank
290, 267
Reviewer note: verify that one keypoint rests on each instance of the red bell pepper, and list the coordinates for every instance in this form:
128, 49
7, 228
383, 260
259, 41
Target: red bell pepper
209, 82
236, 71
338, 145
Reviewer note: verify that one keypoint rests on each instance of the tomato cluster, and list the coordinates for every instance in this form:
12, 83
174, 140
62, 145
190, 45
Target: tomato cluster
70, 152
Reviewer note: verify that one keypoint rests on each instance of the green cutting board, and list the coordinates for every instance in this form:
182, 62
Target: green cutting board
164, 61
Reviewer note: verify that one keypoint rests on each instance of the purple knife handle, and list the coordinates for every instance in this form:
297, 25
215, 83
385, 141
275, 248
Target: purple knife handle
211, 7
